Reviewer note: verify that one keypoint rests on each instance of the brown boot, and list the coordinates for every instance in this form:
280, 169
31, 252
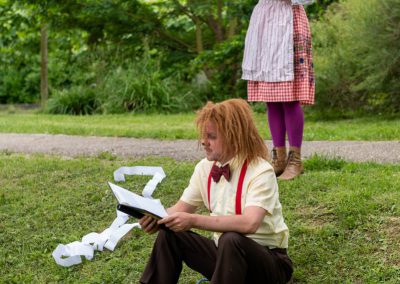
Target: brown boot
294, 166
279, 159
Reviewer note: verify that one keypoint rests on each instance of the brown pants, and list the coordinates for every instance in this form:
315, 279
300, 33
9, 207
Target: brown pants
237, 259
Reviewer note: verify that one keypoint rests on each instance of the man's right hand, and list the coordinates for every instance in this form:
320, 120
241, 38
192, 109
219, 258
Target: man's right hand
148, 224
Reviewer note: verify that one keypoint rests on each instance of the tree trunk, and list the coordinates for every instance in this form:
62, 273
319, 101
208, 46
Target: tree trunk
220, 20
44, 84
199, 37
233, 23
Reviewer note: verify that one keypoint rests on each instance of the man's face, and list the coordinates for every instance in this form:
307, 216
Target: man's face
212, 143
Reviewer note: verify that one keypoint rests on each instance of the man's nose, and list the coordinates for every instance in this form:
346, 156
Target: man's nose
204, 142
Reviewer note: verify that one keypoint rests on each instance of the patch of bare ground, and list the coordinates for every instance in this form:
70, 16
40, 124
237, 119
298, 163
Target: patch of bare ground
316, 217
391, 229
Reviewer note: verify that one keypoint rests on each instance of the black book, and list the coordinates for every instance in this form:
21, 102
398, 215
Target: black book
135, 205
135, 212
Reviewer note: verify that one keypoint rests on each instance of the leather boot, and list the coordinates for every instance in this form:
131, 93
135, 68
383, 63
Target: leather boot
294, 166
278, 160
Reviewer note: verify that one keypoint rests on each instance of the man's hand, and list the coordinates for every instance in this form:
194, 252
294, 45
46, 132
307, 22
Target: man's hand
178, 221
148, 224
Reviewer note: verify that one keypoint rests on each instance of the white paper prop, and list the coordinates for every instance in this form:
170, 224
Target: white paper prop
157, 173
72, 253
302, 2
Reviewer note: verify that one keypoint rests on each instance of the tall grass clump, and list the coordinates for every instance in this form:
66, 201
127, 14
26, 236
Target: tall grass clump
141, 87
356, 47
76, 100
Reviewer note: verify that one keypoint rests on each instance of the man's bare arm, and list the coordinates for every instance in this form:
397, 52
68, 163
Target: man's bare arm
181, 206
246, 223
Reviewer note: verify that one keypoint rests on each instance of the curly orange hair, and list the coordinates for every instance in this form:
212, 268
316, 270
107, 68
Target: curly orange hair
233, 119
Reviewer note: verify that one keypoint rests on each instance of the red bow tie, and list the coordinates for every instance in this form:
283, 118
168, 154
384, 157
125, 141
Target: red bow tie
217, 172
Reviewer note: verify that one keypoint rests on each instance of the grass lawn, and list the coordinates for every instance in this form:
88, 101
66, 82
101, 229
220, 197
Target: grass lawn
344, 218
181, 126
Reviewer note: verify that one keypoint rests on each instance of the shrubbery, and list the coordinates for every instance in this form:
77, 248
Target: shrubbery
223, 64
357, 59
75, 100
132, 87
18, 82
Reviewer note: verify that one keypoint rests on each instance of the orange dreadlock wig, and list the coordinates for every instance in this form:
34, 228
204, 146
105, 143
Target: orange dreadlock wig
234, 122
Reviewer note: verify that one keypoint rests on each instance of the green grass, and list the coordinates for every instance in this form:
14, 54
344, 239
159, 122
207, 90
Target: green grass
181, 126
344, 219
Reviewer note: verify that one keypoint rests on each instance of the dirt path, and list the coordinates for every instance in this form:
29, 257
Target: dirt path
360, 151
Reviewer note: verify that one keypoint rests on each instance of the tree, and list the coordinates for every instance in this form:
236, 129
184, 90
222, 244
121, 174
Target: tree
188, 36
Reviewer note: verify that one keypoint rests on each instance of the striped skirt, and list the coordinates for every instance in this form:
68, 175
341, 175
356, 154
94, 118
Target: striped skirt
302, 88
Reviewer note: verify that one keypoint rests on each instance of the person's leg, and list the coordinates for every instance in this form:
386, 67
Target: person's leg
276, 122
294, 120
242, 260
170, 249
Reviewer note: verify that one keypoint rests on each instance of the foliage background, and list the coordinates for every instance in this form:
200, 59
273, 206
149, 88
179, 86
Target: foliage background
114, 56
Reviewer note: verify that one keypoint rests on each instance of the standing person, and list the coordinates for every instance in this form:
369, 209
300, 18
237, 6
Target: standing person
237, 184
277, 63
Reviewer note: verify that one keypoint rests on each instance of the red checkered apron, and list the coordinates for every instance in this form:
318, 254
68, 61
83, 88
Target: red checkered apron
303, 87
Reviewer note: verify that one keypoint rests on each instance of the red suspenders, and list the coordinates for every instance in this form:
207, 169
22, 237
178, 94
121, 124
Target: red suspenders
238, 206
208, 189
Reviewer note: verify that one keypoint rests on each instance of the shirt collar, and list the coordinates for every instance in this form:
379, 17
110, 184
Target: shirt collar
233, 163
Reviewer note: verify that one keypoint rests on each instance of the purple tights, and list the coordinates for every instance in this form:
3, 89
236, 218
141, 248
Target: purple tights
286, 117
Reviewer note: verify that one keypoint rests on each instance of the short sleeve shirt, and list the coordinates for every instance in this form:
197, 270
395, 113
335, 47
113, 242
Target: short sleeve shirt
260, 189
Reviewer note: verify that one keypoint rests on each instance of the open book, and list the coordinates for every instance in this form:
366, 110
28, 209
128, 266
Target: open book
136, 205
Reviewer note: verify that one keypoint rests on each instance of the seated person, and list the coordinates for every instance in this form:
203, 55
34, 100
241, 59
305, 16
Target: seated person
239, 188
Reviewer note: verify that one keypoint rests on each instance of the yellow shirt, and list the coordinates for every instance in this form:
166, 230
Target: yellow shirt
260, 189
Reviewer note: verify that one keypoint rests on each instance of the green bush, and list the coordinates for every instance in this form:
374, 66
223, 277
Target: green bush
19, 85
76, 100
318, 8
137, 86
140, 87
223, 67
